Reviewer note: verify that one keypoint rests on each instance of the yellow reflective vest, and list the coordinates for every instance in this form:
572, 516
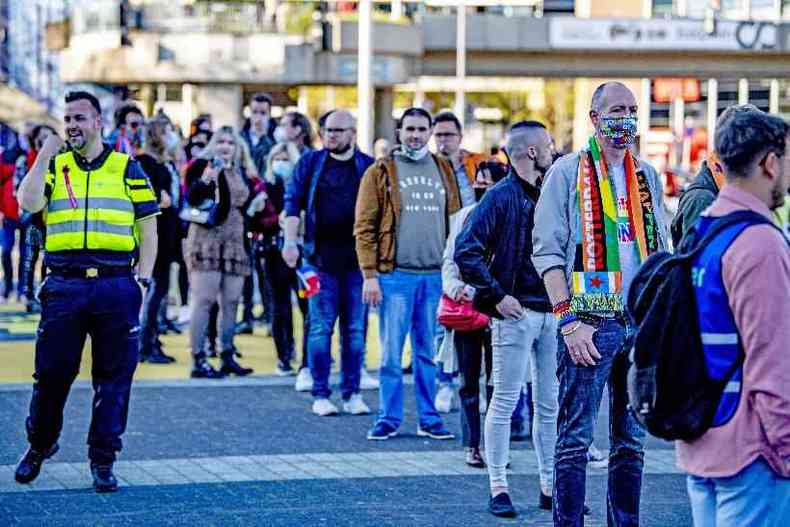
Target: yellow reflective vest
91, 210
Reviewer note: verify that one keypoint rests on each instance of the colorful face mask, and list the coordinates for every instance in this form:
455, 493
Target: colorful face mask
620, 130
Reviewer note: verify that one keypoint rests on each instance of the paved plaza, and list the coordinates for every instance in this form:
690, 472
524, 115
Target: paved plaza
248, 452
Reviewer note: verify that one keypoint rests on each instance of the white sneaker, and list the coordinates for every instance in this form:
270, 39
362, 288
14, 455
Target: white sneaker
324, 407
367, 381
444, 399
304, 380
183, 315
356, 406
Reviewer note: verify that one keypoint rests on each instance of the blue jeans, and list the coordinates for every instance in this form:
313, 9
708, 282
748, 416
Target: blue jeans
7, 241
581, 390
754, 496
340, 295
408, 307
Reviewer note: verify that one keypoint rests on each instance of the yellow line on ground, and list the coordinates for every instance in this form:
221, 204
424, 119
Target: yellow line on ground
258, 352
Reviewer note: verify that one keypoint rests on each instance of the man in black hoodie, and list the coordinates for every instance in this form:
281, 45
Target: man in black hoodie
699, 195
493, 253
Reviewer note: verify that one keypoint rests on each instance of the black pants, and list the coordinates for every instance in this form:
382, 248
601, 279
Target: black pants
71, 309
153, 301
248, 294
470, 347
283, 281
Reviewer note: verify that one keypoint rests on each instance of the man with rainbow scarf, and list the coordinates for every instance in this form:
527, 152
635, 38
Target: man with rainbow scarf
599, 216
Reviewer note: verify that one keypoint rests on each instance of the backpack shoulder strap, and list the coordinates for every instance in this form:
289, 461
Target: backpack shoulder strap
721, 223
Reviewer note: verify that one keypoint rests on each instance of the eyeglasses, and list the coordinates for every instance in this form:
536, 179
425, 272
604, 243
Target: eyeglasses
337, 130
446, 134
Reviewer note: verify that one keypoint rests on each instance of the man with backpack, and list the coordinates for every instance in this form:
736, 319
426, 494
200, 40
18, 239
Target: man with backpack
739, 468
599, 216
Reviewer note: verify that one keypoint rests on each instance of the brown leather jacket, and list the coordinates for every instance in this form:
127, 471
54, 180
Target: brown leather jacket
378, 210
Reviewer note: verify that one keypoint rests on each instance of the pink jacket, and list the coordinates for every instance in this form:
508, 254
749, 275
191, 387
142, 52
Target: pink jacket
756, 274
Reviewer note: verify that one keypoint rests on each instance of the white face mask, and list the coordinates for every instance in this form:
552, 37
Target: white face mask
414, 155
279, 135
172, 140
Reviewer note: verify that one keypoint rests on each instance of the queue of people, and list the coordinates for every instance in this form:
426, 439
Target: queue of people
516, 272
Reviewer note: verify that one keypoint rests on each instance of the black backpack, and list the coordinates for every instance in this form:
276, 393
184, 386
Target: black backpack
669, 387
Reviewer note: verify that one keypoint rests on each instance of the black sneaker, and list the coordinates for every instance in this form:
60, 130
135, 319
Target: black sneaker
501, 506
30, 465
103, 478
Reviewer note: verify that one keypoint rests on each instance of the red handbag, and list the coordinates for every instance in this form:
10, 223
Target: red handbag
460, 316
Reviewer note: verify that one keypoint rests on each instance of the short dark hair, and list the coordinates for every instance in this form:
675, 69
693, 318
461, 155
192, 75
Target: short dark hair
86, 96
448, 117
415, 112
300, 120
262, 97
123, 111
748, 136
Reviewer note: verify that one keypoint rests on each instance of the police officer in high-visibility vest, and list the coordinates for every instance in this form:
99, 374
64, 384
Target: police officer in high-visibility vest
100, 221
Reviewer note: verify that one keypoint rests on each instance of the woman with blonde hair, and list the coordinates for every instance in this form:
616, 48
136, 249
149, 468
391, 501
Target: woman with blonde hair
157, 160
215, 253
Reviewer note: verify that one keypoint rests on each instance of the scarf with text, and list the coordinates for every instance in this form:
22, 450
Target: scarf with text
597, 277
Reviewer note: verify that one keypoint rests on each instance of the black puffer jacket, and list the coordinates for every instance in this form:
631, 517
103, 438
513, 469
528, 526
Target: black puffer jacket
495, 245
697, 197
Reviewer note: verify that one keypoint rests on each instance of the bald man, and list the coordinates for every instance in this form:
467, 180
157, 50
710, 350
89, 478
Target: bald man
493, 253
599, 216
324, 186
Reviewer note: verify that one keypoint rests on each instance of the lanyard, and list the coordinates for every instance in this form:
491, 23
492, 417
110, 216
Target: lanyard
67, 180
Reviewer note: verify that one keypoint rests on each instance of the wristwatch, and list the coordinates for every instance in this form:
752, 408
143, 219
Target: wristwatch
145, 282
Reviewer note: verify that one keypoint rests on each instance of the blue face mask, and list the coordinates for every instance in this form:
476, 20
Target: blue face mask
621, 131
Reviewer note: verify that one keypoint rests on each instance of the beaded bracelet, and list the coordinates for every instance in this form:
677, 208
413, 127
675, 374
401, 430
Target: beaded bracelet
572, 330
562, 311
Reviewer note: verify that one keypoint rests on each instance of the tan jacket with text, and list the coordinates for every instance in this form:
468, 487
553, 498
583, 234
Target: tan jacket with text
378, 211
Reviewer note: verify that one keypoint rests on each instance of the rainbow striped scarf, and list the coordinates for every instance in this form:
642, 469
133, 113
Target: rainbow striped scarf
597, 280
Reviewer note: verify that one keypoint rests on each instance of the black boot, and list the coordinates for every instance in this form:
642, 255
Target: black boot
203, 370
30, 465
230, 366
103, 478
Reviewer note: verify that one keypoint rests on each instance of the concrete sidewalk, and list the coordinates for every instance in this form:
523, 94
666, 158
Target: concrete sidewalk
248, 451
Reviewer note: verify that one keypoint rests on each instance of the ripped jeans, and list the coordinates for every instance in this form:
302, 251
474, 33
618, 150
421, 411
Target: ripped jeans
107, 309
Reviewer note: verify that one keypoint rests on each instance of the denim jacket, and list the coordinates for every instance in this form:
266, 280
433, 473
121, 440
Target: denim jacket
300, 191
